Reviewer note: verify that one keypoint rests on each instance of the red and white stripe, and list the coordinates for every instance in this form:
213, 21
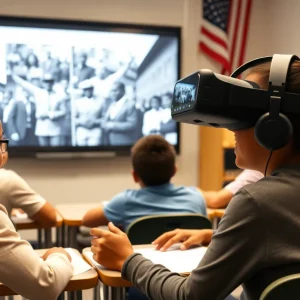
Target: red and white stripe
228, 48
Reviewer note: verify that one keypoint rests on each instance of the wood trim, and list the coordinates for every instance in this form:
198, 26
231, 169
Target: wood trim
211, 158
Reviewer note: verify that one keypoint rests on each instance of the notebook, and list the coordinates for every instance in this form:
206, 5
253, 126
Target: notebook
174, 259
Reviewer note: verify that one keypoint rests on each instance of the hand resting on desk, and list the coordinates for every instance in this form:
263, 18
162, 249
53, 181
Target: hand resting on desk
187, 237
56, 250
110, 248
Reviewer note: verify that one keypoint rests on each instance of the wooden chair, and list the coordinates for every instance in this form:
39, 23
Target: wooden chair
144, 230
287, 287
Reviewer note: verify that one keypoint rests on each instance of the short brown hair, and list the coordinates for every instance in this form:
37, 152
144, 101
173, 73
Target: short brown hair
292, 86
153, 160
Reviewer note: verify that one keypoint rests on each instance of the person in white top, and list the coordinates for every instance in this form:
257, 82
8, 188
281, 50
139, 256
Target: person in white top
220, 199
102, 82
22, 270
88, 113
152, 117
168, 125
15, 193
50, 109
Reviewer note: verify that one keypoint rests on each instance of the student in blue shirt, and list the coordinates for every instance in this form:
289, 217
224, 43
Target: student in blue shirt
153, 161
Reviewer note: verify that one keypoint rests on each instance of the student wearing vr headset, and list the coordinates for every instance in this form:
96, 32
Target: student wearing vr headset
256, 241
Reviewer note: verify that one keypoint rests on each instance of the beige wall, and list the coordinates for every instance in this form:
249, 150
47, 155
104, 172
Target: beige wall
99, 179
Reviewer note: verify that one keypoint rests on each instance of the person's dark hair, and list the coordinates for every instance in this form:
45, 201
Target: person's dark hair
156, 98
36, 60
169, 95
153, 160
292, 86
120, 86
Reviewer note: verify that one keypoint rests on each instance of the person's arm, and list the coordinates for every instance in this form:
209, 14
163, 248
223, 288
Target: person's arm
112, 211
236, 250
128, 124
168, 127
21, 195
95, 217
187, 238
45, 216
217, 199
221, 198
99, 114
87, 82
25, 84
244, 178
59, 111
119, 73
23, 271
147, 126
11, 122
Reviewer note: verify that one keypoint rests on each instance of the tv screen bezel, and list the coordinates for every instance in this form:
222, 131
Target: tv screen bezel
52, 23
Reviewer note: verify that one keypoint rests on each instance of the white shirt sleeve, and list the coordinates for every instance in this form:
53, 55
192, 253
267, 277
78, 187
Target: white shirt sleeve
20, 194
151, 121
246, 177
23, 271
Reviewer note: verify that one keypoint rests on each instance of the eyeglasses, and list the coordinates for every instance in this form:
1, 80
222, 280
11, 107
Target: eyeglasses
3, 145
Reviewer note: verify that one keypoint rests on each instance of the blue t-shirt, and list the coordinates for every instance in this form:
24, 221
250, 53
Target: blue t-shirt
126, 207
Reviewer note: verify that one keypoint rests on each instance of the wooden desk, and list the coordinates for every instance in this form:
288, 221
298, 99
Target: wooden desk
44, 234
210, 213
72, 214
83, 281
219, 213
215, 214
114, 284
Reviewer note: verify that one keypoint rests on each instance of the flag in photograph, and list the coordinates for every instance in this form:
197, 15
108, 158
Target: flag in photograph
224, 31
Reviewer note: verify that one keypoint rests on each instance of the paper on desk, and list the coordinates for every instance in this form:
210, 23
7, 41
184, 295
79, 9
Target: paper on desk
89, 255
79, 265
174, 259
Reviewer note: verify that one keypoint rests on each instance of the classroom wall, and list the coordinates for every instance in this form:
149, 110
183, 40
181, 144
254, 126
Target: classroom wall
99, 179
283, 26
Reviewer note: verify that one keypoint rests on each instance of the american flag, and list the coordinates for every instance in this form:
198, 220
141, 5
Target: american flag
224, 31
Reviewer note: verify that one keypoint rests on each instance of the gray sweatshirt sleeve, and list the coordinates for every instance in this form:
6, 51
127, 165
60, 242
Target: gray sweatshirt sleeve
235, 251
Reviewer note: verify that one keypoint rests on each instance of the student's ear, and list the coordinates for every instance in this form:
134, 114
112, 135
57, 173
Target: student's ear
135, 177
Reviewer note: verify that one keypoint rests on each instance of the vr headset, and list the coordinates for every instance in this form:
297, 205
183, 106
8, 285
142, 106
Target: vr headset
209, 99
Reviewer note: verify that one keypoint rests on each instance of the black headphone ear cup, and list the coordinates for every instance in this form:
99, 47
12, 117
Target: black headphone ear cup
273, 133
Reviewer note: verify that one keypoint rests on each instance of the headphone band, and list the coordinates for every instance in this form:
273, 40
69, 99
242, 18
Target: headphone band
250, 64
273, 130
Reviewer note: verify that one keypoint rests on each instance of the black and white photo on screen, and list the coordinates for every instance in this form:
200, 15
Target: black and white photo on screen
109, 94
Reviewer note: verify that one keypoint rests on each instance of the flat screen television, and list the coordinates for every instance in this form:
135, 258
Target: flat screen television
86, 87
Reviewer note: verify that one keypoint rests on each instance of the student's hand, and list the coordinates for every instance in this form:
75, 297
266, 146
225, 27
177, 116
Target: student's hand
56, 250
111, 248
187, 237
17, 211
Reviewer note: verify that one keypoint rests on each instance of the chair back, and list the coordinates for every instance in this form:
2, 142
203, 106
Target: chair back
287, 287
145, 230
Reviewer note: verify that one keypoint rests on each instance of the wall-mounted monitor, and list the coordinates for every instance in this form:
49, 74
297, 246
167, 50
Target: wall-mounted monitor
83, 87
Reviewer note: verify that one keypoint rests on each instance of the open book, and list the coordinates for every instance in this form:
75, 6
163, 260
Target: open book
174, 259
79, 265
